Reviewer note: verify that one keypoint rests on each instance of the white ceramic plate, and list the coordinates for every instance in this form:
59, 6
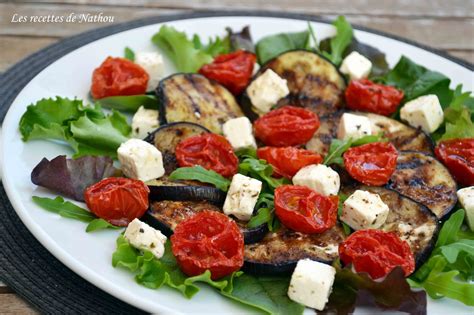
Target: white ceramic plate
89, 255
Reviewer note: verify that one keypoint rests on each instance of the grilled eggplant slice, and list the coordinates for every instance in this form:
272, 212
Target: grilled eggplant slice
314, 82
411, 220
166, 189
424, 179
279, 252
166, 215
402, 136
194, 98
167, 137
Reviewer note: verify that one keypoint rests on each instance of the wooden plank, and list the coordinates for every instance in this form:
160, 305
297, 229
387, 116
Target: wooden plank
437, 33
467, 55
441, 8
16, 48
13, 304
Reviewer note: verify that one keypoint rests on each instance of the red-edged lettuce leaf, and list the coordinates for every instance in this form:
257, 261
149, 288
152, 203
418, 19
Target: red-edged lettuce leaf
352, 290
70, 177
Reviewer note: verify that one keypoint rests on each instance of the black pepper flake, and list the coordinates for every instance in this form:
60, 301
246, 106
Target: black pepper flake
141, 231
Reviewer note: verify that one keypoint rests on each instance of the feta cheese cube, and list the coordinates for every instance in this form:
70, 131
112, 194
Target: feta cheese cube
266, 90
424, 111
356, 66
311, 283
242, 197
353, 126
320, 178
238, 132
140, 160
143, 122
364, 210
152, 63
143, 237
466, 199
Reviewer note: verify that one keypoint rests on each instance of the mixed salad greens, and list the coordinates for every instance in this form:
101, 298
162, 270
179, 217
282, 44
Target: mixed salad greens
95, 135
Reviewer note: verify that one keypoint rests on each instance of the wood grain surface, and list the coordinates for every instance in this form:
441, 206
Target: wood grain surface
445, 25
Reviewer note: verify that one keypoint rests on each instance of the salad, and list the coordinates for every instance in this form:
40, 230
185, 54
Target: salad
286, 173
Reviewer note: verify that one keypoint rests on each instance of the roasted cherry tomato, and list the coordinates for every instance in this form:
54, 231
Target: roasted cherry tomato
210, 241
372, 163
117, 200
304, 210
458, 156
368, 96
232, 70
287, 161
377, 253
286, 126
118, 76
211, 151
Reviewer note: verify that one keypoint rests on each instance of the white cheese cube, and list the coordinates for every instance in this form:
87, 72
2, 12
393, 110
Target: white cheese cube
143, 237
152, 63
238, 131
242, 197
318, 177
356, 66
143, 122
466, 199
311, 283
353, 126
364, 210
424, 112
266, 90
140, 160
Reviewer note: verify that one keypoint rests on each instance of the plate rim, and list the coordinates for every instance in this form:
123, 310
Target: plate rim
55, 51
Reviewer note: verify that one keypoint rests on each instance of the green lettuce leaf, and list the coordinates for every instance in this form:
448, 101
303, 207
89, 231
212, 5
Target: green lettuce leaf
100, 224
338, 147
69, 210
450, 268
188, 55
261, 170
129, 54
271, 46
199, 173
267, 294
64, 208
458, 116
86, 129
265, 212
416, 80
334, 47
129, 103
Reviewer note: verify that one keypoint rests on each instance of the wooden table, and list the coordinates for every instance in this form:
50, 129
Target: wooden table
446, 25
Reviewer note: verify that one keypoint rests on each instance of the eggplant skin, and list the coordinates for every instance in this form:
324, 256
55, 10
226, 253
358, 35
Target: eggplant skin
410, 220
425, 180
403, 137
167, 137
194, 98
279, 252
165, 215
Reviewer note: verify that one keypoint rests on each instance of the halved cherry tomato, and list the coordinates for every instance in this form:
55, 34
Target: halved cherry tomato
232, 70
372, 163
210, 241
211, 151
118, 76
117, 200
286, 126
287, 161
458, 156
304, 210
368, 96
377, 253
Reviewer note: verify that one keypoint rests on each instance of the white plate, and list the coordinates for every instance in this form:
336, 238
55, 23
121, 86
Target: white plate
89, 255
